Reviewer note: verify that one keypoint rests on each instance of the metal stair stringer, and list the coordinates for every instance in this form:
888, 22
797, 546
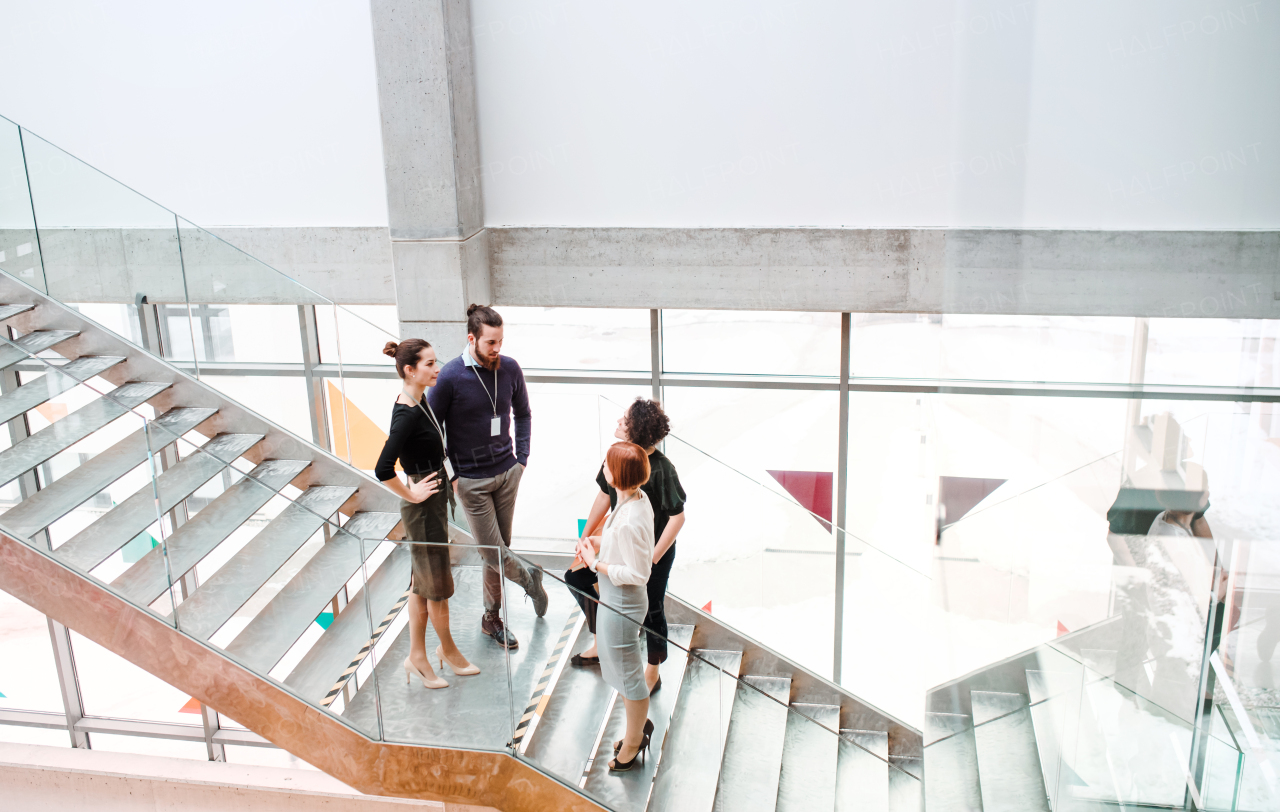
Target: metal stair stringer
378, 768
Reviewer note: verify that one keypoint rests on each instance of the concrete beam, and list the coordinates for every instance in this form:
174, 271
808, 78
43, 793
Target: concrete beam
1231, 274
1218, 274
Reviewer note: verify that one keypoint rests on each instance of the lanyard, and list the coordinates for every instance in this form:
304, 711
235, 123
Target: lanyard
492, 398
431, 415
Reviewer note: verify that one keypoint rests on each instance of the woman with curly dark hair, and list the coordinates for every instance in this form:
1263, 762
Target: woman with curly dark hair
645, 424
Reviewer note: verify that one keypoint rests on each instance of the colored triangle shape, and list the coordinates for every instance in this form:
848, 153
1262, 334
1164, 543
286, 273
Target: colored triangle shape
582, 525
812, 489
53, 412
192, 706
366, 438
707, 608
2, 696
960, 494
1061, 629
324, 620
138, 546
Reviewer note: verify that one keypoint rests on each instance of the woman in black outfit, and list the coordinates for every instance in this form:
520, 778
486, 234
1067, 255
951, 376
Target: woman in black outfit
417, 442
645, 424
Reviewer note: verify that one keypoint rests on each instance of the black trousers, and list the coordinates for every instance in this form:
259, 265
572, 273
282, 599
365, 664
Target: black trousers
583, 586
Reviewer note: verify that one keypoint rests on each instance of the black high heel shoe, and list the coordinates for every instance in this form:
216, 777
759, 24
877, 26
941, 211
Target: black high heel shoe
648, 731
616, 766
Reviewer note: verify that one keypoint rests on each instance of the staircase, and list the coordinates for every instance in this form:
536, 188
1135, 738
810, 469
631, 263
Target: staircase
1061, 728
264, 532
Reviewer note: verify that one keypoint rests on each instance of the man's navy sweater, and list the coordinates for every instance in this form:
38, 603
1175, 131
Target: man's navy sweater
459, 401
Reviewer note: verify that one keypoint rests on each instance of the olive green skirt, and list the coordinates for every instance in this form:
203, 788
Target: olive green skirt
428, 521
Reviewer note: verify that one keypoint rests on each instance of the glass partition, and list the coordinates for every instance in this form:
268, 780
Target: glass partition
1085, 737
176, 289
19, 249
735, 736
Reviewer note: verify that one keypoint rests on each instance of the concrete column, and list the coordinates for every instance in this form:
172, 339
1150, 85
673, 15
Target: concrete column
431, 152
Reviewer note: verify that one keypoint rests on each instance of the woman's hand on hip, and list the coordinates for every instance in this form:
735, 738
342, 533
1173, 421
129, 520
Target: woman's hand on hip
424, 489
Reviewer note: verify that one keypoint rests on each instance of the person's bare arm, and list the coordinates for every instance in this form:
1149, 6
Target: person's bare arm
598, 510
1200, 528
668, 536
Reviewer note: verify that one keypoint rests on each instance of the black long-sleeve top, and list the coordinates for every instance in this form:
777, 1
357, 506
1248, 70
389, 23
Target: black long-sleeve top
414, 441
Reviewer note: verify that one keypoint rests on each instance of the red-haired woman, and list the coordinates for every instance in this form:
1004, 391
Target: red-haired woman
622, 556
645, 424
417, 442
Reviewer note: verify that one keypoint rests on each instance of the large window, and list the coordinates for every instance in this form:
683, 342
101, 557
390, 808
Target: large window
982, 455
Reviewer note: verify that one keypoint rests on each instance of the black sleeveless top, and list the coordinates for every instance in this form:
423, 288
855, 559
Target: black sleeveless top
414, 441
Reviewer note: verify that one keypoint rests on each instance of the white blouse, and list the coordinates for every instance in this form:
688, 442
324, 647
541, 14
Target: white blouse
627, 542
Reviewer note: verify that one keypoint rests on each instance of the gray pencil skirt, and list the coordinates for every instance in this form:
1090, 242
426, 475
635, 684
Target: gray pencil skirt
429, 521
621, 612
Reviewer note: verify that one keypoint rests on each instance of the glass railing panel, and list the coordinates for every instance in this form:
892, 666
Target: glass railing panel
418, 693
160, 281
19, 248
1224, 770
102, 242
1243, 675
269, 576
1129, 750
199, 535
217, 269
718, 730
1058, 722
82, 448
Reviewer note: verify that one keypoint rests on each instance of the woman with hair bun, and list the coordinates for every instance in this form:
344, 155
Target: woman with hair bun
416, 440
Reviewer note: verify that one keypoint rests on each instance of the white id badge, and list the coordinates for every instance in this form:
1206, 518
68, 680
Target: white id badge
495, 426
448, 468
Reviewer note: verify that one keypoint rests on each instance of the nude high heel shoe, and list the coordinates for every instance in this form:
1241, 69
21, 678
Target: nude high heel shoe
462, 672
409, 670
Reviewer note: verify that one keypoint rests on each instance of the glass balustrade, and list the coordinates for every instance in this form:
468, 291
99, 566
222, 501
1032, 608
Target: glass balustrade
728, 724
199, 529
184, 293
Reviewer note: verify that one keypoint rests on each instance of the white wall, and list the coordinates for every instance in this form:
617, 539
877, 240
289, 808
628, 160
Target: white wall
1147, 114
230, 113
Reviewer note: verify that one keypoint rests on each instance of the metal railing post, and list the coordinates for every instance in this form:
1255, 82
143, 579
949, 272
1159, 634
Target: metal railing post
842, 477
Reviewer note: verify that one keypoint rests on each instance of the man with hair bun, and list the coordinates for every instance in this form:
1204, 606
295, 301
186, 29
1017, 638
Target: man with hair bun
478, 396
